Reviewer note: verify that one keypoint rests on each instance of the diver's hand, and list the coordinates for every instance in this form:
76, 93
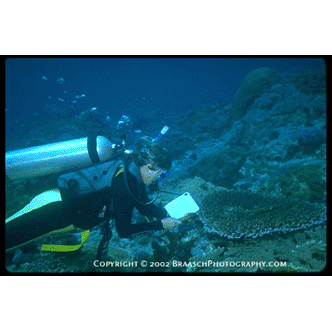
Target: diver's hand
169, 223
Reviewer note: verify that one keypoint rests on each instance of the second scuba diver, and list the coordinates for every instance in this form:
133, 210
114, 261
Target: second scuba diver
117, 200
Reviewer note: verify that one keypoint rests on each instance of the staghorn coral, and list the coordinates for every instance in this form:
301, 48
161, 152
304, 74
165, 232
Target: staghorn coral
236, 214
311, 254
305, 252
215, 255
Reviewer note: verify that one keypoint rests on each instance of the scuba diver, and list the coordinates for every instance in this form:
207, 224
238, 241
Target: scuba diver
96, 196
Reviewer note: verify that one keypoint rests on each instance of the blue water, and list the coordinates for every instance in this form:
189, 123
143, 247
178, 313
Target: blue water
135, 87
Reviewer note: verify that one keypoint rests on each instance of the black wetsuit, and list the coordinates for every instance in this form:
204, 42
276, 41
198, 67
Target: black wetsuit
88, 211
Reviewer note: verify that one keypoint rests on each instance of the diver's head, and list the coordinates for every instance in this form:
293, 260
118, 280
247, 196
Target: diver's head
152, 159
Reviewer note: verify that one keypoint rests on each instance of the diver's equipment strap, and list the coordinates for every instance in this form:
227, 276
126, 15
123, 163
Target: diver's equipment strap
130, 166
106, 230
104, 242
121, 170
66, 248
92, 149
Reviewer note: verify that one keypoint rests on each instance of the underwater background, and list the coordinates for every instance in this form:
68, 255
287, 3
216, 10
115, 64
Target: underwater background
248, 139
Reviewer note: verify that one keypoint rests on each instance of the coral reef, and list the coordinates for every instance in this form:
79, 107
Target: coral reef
310, 139
306, 182
254, 85
222, 169
310, 81
234, 214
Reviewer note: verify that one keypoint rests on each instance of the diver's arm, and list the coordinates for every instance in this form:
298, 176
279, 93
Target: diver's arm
123, 214
157, 214
169, 223
153, 213
124, 205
